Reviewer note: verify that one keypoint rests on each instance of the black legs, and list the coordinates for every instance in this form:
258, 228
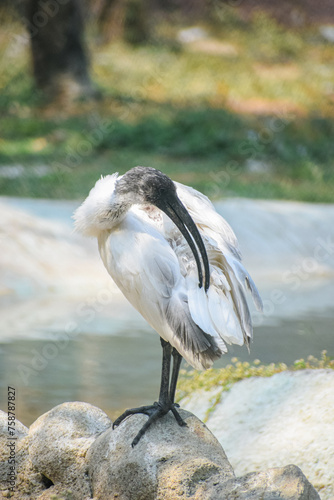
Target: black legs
165, 370
166, 395
177, 359
167, 390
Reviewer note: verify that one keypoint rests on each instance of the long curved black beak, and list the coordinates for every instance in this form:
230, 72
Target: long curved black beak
177, 212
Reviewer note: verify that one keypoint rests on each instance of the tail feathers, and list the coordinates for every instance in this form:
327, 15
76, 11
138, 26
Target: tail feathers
239, 299
200, 349
240, 281
214, 313
245, 280
224, 317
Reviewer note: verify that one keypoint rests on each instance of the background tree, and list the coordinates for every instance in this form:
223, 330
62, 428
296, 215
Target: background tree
127, 19
59, 56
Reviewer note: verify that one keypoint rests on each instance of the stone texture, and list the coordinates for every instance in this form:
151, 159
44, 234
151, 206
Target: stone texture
273, 421
288, 483
59, 440
168, 461
72, 453
28, 481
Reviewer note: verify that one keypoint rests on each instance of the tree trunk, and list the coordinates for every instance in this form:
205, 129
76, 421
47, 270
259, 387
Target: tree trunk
60, 63
111, 20
125, 19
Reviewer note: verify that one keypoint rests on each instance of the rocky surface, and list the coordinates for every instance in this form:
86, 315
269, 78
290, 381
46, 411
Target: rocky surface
59, 440
269, 422
168, 460
28, 480
72, 453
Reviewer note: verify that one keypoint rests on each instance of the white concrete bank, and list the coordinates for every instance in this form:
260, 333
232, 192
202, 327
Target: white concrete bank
269, 422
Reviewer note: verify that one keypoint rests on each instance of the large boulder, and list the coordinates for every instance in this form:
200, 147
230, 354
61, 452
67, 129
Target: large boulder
59, 440
288, 483
268, 422
169, 461
16, 470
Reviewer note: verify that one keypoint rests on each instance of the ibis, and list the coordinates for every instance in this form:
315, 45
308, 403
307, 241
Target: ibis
177, 261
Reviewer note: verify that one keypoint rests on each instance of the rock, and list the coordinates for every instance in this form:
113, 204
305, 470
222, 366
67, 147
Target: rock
267, 422
27, 480
72, 453
59, 440
327, 31
288, 483
189, 35
169, 461
175, 462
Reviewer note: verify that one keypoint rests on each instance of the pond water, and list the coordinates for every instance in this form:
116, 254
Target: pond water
68, 335
123, 371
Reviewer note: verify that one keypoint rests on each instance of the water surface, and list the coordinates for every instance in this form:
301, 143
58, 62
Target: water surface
120, 371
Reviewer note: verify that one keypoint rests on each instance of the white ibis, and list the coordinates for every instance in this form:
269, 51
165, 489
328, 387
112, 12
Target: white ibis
177, 262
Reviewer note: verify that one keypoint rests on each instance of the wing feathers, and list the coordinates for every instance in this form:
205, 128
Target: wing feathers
198, 347
154, 268
245, 281
228, 312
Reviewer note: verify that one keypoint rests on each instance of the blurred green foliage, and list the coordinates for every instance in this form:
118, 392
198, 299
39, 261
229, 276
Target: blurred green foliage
246, 110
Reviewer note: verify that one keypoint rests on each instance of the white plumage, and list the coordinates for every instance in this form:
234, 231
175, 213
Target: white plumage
152, 264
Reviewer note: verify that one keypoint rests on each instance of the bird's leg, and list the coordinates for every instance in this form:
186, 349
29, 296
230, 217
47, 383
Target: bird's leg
165, 371
166, 395
177, 359
160, 408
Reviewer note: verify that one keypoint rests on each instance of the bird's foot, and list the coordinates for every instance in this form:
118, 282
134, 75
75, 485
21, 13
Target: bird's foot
155, 411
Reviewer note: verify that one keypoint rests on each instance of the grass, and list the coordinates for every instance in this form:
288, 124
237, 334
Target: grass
225, 378
255, 120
